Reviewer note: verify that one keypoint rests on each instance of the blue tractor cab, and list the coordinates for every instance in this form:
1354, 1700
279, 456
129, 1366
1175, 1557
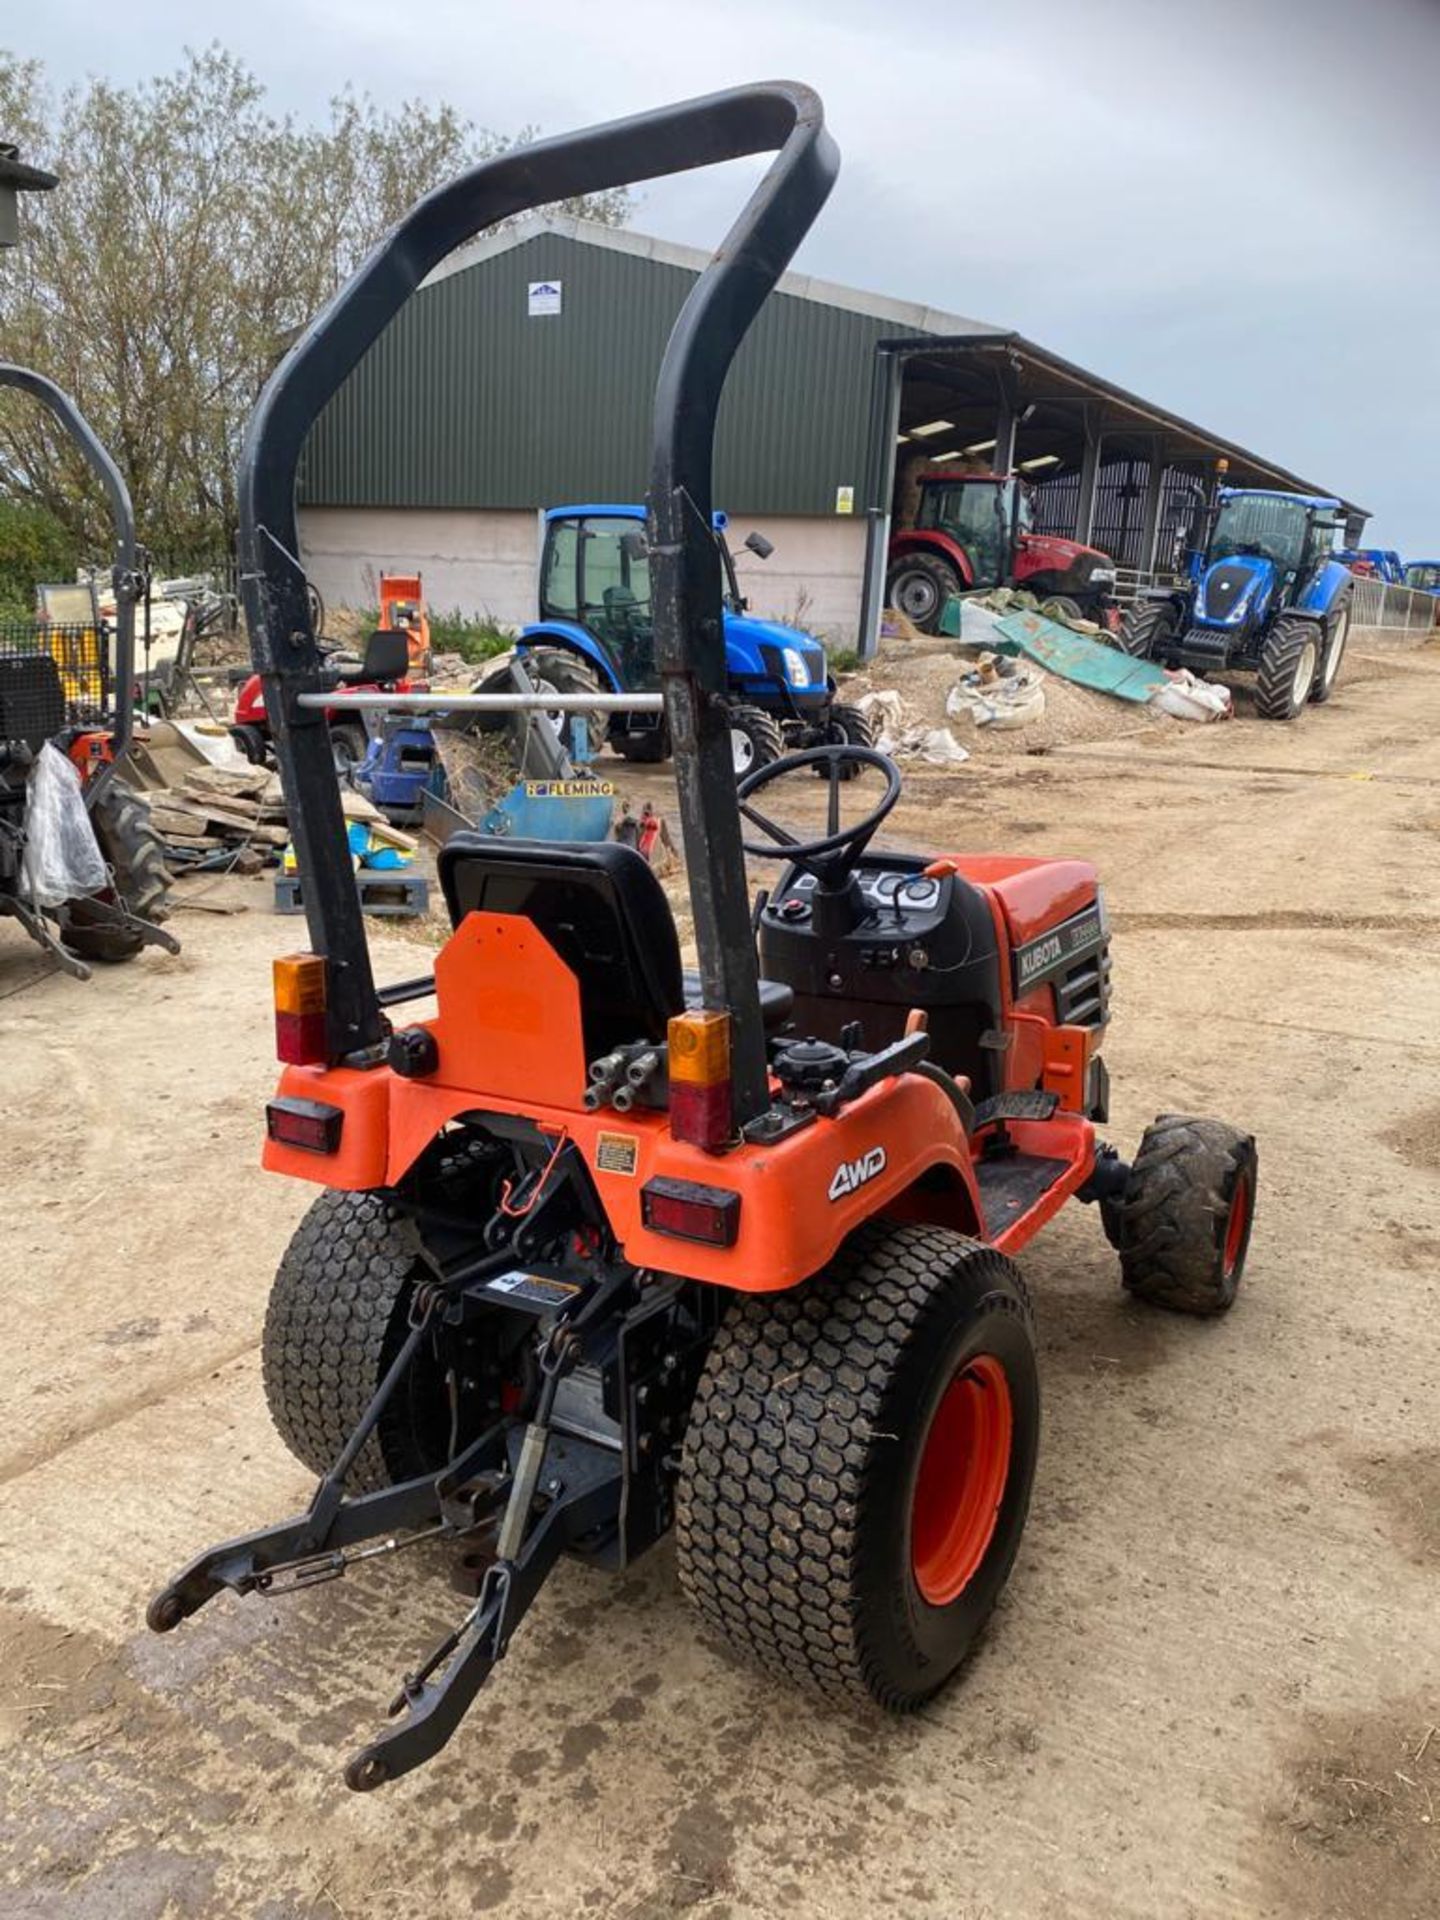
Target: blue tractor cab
1380, 563
596, 632
1265, 594
1423, 576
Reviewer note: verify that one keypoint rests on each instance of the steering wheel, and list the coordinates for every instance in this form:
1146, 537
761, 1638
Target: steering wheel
838, 851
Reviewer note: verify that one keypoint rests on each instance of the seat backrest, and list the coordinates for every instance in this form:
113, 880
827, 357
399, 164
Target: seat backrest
599, 905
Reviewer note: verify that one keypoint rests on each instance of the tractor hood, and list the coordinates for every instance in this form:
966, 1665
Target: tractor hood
1235, 592
765, 648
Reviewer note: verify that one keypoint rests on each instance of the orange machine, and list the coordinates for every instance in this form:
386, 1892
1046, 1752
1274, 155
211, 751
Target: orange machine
402, 609
605, 1247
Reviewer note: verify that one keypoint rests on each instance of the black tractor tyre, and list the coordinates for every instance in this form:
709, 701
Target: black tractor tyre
1337, 633
755, 739
338, 1314
846, 726
1183, 1222
1289, 668
134, 851
1059, 606
349, 743
811, 1504
927, 583
1145, 629
644, 749
562, 672
252, 743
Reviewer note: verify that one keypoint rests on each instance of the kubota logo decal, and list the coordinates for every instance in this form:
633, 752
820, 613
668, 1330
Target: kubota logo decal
851, 1174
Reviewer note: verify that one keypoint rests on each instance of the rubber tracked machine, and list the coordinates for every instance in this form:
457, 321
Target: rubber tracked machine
605, 1247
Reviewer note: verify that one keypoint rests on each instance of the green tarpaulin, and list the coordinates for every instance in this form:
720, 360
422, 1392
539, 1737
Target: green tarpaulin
1075, 656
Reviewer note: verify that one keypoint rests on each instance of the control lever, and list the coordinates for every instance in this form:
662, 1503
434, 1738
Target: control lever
899, 1057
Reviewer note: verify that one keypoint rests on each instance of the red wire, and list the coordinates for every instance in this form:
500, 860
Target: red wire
507, 1186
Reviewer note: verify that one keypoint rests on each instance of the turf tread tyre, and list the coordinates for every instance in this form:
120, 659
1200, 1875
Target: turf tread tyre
338, 1312
766, 738
790, 1455
1279, 663
1145, 628
1172, 1220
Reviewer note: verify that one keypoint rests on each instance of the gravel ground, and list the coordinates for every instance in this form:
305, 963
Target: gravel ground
1213, 1686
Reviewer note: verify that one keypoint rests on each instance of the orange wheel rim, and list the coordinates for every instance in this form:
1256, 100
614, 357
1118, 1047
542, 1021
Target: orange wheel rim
1237, 1226
964, 1466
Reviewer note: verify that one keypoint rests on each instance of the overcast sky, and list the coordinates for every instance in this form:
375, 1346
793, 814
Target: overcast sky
1230, 209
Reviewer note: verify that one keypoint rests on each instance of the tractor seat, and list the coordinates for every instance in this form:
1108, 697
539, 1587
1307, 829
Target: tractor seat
604, 912
777, 1001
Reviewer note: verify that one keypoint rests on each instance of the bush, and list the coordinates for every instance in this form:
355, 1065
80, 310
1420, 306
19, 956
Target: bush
33, 547
474, 640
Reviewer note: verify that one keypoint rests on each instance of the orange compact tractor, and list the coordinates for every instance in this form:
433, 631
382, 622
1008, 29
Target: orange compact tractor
606, 1247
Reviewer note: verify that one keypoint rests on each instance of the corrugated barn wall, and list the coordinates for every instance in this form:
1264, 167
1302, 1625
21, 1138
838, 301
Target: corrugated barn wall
469, 402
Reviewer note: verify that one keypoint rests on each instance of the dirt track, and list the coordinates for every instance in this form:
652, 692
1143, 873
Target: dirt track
1213, 1686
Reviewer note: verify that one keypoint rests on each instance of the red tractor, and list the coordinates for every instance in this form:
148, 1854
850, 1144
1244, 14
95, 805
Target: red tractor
976, 530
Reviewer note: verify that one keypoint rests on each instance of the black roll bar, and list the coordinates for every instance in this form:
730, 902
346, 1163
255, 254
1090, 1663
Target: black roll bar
777, 116
122, 513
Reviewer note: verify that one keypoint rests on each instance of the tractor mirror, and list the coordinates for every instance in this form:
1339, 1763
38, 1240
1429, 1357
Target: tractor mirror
757, 544
387, 655
632, 545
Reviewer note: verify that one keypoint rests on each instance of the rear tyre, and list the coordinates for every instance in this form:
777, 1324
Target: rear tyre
644, 749
1338, 635
1289, 668
858, 1463
338, 1315
1145, 630
135, 855
1183, 1222
755, 739
918, 586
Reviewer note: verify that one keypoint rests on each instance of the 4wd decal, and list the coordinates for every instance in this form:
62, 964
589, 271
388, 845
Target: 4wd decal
851, 1174
1052, 952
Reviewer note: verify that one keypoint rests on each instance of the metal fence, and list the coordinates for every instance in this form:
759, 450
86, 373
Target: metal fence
1386, 609
80, 652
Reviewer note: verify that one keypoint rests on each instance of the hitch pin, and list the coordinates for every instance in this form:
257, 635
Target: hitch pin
320, 1567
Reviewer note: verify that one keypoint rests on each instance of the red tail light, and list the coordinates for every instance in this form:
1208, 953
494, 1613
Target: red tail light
300, 1036
305, 1123
687, 1211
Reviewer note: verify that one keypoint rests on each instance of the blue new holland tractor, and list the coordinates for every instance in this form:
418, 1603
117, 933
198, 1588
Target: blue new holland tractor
1265, 595
596, 634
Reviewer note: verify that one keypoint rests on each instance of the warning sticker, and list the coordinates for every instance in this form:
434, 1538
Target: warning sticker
537, 1288
616, 1152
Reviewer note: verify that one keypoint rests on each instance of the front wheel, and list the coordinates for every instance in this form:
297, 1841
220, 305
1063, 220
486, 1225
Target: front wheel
1289, 664
1145, 631
1182, 1225
755, 739
1334, 653
846, 727
918, 587
857, 1469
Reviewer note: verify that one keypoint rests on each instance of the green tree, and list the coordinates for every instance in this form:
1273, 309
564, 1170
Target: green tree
192, 233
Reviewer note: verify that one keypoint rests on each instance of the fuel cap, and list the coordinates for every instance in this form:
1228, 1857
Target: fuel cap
806, 1065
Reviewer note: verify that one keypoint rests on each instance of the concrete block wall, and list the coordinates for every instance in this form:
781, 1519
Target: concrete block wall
485, 563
